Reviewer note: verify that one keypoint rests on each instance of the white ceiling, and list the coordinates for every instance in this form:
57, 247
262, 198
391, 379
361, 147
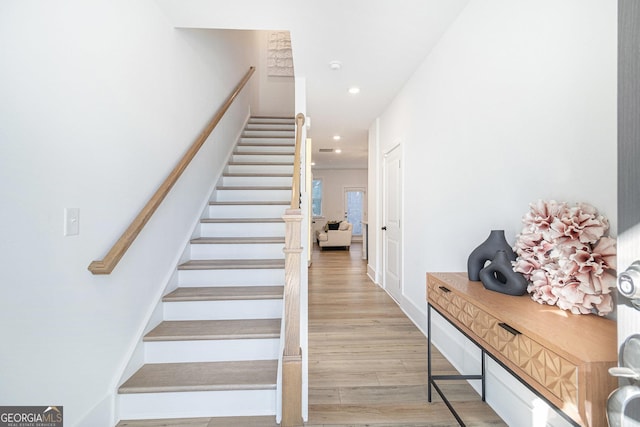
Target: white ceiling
379, 43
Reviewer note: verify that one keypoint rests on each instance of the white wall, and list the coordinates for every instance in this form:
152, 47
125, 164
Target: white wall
276, 95
516, 103
334, 182
99, 100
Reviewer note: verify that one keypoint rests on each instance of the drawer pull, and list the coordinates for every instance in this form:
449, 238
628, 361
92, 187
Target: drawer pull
444, 289
509, 329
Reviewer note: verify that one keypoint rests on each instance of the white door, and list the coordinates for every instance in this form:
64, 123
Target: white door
354, 198
391, 231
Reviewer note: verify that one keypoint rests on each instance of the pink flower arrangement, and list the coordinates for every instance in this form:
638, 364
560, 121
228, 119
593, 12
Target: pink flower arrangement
567, 258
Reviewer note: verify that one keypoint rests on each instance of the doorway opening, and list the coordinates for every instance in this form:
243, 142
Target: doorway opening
354, 203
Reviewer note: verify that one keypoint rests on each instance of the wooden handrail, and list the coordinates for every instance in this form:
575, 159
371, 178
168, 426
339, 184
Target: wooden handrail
295, 190
117, 251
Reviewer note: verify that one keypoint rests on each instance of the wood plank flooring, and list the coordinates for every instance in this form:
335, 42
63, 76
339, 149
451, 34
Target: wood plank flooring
367, 360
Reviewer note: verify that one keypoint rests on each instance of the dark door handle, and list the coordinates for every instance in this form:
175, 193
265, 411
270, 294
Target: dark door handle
384, 228
509, 329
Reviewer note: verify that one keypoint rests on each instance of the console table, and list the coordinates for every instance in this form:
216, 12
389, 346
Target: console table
562, 357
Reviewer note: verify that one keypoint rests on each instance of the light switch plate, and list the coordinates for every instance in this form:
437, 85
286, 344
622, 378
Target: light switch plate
71, 221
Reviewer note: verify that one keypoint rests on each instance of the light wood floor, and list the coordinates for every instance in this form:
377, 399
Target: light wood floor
367, 360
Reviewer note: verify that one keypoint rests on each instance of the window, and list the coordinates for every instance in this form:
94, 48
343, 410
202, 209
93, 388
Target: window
316, 197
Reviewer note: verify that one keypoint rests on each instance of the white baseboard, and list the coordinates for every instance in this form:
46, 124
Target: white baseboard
371, 273
100, 415
416, 314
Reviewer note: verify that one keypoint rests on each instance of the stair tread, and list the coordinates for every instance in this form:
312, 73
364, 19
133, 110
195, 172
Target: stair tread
288, 142
236, 240
268, 134
203, 376
240, 220
260, 163
277, 127
182, 330
253, 421
225, 293
292, 118
256, 175
263, 153
288, 131
251, 203
227, 264
253, 187
245, 136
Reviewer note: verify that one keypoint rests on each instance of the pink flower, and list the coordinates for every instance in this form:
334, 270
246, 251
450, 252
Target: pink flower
529, 240
542, 213
539, 279
569, 294
526, 266
605, 306
564, 253
605, 252
586, 263
594, 225
544, 295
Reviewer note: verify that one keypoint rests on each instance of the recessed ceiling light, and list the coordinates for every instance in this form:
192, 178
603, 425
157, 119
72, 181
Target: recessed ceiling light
336, 137
337, 151
313, 163
354, 90
335, 65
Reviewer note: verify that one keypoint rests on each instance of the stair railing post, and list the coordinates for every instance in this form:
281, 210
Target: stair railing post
292, 357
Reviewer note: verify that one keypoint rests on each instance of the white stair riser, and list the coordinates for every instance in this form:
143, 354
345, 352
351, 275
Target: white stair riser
237, 251
137, 406
211, 350
238, 229
263, 148
247, 211
273, 120
252, 195
223, 310
262, 181
280, 126
269, 133
264, 158
267, 169
268, 141
201, 278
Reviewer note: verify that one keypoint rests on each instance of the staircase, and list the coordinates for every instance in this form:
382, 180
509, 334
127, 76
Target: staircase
215, 354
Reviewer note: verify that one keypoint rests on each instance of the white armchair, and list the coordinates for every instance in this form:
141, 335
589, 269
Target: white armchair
336, 238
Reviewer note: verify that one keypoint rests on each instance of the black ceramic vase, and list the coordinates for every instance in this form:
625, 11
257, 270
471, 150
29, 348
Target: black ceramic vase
500, 277
486, 251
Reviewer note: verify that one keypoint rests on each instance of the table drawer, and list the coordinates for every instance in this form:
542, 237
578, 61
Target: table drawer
554, 373
439, 295
557, 374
